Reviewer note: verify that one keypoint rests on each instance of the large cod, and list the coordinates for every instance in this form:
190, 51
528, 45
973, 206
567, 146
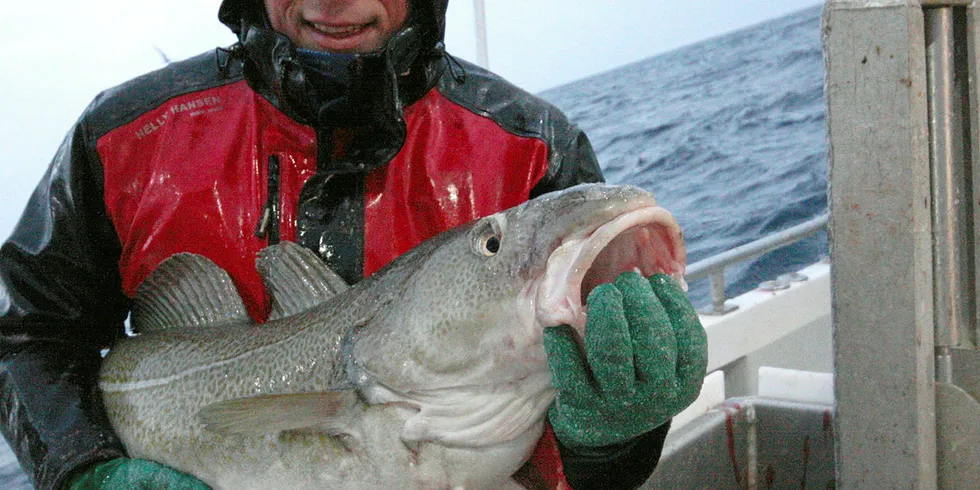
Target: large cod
430, 373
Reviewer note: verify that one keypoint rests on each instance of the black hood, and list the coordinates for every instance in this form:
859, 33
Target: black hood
432, 15
364, 94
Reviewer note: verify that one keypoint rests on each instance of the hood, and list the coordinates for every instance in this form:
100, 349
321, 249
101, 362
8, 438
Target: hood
431, 14
363, 94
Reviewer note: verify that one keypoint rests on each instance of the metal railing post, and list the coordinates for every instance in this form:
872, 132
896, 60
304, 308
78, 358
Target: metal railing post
718, 305
951, 194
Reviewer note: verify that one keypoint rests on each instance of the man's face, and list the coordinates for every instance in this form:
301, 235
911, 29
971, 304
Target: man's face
337, 26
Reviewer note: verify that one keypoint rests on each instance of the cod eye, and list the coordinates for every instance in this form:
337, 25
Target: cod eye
490, 244
487, 236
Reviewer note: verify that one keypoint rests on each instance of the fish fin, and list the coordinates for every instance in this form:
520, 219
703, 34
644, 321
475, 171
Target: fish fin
264, 414
296, 279
186, 290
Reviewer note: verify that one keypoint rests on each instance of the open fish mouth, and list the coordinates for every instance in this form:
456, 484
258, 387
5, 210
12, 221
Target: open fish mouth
647, 240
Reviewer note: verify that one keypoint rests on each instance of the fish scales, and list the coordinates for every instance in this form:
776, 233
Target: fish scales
428, 374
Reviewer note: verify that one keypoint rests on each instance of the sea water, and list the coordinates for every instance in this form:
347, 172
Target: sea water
729, 134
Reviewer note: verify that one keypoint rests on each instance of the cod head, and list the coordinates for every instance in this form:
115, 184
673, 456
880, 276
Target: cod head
459, 339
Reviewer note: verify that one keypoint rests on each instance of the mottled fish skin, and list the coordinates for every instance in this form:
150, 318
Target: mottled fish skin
433, 367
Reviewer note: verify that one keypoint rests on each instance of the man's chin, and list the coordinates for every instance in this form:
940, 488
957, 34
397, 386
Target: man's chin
361, 43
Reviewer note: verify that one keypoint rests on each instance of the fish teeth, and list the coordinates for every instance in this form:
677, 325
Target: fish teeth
679, 277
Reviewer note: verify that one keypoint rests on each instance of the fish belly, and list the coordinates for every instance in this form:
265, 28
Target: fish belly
157, 421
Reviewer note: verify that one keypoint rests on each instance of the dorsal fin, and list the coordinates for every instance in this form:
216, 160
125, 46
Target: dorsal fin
186, 290
296, 279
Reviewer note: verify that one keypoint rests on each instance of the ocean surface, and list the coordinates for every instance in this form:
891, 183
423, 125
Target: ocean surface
728, 133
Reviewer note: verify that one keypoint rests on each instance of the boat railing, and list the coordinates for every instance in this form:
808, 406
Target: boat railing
714, 266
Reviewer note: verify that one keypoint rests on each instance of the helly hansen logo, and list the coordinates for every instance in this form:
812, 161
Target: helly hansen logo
197, 106
194, 107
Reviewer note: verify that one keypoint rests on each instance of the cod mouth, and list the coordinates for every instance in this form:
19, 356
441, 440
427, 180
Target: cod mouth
647, 240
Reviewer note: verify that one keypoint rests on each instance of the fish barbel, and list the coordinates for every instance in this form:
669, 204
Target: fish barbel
430, 373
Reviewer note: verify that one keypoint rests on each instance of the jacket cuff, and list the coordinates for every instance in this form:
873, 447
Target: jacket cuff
53, 417
620, 466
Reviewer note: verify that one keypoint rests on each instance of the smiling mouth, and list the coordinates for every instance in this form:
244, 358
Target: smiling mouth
340, 31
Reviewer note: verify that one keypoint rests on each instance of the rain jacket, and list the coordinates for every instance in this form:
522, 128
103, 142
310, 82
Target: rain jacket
230, 151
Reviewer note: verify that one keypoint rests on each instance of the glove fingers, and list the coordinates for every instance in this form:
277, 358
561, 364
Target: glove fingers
569, 374
654, 346
607, 342
692, 342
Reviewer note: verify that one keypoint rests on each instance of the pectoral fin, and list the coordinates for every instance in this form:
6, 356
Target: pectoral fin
264, 414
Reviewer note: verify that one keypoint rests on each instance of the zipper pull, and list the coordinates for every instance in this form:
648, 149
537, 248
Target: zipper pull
262, 229
268, 226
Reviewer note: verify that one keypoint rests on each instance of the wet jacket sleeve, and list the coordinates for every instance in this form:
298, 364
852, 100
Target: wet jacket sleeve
60, 304
626, 465
630, 464
571, 161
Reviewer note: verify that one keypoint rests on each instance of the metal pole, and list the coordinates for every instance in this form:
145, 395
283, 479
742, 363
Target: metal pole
973, 67
718, 304
482, 54
951, 214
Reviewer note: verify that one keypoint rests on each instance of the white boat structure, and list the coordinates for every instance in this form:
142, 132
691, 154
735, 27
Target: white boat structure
867, 373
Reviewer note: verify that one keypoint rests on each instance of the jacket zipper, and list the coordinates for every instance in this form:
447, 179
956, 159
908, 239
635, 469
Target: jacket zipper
268, 226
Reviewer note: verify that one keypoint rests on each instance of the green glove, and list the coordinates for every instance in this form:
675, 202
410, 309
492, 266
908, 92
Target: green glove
134, 474
645, 359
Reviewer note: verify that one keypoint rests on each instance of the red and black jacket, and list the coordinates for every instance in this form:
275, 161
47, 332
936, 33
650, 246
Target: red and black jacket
209, 156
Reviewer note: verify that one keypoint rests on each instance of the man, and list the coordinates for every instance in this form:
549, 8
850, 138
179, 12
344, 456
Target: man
342, 125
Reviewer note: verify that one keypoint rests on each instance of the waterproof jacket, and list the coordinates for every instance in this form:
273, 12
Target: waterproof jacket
209, 156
